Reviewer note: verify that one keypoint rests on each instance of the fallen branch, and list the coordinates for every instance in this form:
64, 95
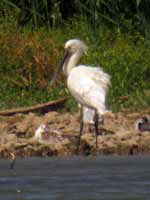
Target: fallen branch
123, 98
45, 107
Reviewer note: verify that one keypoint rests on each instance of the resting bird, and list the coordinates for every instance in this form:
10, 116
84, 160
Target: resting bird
88, 85
143, 124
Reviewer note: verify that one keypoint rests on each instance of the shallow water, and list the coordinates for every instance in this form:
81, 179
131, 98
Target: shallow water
76, 178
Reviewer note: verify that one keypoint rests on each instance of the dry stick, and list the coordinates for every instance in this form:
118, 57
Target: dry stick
13, 160
51, 105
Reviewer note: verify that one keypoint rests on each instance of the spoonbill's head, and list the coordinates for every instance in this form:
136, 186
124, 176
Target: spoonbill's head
74, 45
74, 49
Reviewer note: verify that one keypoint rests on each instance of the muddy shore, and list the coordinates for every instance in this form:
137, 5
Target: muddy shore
120, 137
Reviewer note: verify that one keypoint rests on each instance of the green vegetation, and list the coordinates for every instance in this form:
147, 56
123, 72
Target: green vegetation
30, 51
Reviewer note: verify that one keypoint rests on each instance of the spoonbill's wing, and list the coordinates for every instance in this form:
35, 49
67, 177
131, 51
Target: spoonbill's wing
89, 86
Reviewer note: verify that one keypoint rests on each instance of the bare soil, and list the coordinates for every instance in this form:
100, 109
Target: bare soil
118, 135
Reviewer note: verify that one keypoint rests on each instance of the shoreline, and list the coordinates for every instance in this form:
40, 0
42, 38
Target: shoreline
121, 138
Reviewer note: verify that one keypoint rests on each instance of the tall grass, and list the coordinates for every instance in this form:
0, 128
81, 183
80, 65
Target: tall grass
126, 15
29, 59
116, 32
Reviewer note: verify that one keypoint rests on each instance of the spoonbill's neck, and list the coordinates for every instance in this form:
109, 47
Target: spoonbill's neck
71, 62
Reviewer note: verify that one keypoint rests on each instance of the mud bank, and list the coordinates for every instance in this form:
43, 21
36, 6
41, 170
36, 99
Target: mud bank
17, 135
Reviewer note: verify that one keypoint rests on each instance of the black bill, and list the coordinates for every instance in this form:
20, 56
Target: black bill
59, 66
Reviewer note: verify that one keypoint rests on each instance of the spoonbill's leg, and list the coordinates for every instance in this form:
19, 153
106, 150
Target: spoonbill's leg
96, 127
81, 128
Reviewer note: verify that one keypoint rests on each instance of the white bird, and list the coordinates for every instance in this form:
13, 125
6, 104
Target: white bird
46, 135
89, 85
40, 131
143, 124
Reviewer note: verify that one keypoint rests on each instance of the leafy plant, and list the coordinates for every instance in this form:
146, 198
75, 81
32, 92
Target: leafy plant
115, 31
126, 15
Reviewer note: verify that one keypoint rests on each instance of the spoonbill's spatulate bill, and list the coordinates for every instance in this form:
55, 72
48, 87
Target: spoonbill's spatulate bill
89, 85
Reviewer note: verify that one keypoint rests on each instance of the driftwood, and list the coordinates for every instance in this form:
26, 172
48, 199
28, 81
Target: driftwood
123, 98
45, 107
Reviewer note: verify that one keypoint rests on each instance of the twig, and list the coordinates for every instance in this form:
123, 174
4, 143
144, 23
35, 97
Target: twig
123, 98
45, 107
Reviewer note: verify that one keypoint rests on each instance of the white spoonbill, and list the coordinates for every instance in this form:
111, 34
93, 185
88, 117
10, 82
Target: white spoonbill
89, 85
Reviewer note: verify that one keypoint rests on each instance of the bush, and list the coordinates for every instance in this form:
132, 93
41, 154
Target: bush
29, 59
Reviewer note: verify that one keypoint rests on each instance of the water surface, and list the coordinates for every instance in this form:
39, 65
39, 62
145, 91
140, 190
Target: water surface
76, 178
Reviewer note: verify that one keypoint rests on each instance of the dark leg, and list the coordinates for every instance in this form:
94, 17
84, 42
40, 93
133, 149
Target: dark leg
96, 127
81, 129
90, 126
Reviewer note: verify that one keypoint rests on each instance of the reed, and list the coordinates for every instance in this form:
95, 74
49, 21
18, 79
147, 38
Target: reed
32, 34
126, 15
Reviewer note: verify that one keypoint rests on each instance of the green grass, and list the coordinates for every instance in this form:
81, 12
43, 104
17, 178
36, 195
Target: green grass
29, 59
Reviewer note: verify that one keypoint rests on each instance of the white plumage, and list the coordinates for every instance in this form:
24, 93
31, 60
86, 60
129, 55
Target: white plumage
88, 115
39, 132
89, 85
